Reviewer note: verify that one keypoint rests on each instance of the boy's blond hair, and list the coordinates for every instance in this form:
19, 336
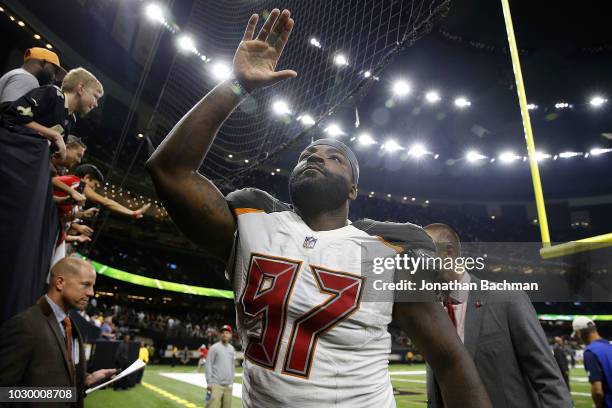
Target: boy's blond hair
80, 75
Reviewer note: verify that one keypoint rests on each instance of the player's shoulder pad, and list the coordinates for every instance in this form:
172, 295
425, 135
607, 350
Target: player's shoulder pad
254, 200
409, 237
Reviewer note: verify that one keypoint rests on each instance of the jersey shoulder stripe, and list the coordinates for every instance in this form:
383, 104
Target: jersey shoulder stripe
400, 236
249, 200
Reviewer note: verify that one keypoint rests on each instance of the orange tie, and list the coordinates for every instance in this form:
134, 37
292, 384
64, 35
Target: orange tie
68, 327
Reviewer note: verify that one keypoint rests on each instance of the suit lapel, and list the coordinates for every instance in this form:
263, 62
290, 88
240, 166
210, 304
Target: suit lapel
473, 317
54, 325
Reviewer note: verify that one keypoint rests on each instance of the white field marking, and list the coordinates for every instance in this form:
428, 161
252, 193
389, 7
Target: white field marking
419, 372
410, 381
199, 380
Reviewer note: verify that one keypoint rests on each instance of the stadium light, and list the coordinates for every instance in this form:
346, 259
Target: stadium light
221, 71
391, 146
281, 108
365, 139
508, 157
597, 101
432, 97
562, 105
340, 60
473, 156
568, 155
597, 151
462, 102
532, 106
401, 88
155, 13
417, 150
334, 130
542, 156
186, 43
306, 120
315, 42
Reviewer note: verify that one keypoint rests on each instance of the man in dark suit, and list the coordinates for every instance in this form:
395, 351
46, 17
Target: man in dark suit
42, 346
501, 331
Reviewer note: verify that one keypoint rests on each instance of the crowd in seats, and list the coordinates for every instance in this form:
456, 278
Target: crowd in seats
116, 320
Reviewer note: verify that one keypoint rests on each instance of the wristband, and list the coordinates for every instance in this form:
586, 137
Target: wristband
239, 89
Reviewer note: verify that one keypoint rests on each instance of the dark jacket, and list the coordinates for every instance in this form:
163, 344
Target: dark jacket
506, 341
33, 353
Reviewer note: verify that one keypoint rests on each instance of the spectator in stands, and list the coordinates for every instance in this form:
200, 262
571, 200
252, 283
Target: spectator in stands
42, 347
514, 345
220, 370
75, 150
560, 354
597, 360
40, 67
27, 212
106, 330
88, 178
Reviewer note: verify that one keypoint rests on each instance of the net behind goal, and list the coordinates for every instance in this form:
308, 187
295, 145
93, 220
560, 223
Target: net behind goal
338, 47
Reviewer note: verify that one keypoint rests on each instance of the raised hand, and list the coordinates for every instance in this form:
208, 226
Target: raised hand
255, 59
139, 213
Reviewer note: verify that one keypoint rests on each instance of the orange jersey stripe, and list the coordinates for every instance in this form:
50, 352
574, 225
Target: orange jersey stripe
240, 211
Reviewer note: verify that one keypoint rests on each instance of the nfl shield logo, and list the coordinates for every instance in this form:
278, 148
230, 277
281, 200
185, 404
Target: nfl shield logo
309, 242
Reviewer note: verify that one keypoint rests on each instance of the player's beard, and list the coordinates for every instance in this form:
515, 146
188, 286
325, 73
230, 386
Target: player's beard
313, 195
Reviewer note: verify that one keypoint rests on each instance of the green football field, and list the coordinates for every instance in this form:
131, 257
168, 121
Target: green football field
158, 389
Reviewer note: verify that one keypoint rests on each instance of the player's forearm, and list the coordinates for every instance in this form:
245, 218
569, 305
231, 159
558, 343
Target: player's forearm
435, 337
460, 383
61, 186
185, 147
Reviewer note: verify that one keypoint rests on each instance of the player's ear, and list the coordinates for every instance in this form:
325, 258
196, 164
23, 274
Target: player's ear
353, 192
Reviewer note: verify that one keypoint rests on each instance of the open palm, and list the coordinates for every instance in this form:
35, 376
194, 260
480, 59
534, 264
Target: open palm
255, 59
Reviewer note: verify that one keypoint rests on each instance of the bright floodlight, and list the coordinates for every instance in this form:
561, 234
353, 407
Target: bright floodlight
462, 102
562, 105
367, 74
221, 71
508, 157
280, 108
155, 13
307, 120
532, 106
391, 146
315, 42
597, 151
334, 130
597, 101
401, 88
186, 43
542, 156
432, 97
340, 60
567, 155
365, 139
417, 150
473, 156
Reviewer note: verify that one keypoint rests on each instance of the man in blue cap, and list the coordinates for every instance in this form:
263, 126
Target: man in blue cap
597, 360
310, 337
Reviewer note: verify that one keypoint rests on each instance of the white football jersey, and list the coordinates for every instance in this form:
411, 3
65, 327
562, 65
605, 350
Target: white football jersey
309, 337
